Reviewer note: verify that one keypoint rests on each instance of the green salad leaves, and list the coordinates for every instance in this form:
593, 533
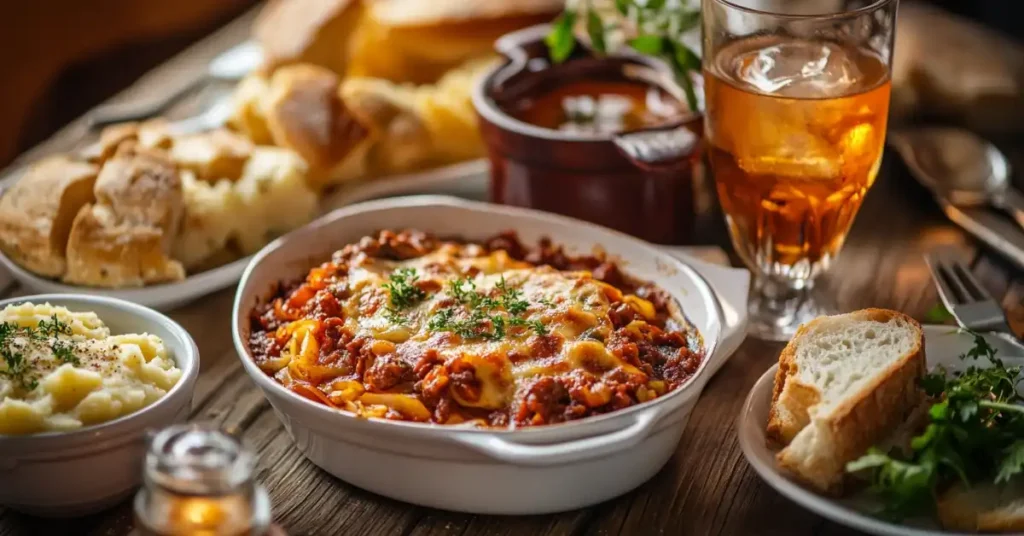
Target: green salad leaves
975, 434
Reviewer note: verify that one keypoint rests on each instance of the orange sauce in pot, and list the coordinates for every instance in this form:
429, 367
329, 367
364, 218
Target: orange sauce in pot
597, 107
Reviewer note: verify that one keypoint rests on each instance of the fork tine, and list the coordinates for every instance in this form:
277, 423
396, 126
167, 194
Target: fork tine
946, 294
958, 285
967, 279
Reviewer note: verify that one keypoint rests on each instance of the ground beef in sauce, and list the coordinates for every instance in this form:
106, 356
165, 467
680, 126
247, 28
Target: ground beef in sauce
655, 351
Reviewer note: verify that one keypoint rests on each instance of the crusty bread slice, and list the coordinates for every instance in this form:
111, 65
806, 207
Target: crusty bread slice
37, 212
983, 508
845, 382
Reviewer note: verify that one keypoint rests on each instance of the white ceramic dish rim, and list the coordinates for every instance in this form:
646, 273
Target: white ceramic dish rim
200, 284
818, 503
711, 345
188, 363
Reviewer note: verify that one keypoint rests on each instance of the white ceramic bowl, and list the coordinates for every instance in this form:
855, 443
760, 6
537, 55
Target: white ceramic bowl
74, 473
529, 471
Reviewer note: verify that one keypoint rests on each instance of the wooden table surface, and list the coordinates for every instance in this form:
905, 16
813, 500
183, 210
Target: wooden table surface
706, 487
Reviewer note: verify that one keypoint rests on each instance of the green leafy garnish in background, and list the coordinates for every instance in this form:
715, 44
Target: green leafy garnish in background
660, 26
938, 314
975, 434
561, 41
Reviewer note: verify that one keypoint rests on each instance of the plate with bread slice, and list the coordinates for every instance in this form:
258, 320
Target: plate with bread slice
880, 424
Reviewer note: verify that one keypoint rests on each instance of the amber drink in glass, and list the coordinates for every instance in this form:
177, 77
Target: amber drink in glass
795, 125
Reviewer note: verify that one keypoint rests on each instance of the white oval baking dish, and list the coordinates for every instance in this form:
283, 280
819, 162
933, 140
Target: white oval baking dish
64, 474
528, 471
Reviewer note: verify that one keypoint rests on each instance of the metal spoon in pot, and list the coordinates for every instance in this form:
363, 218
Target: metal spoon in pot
961, 167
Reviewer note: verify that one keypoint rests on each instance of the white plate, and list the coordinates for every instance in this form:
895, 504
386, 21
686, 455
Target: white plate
465, 179
943, 346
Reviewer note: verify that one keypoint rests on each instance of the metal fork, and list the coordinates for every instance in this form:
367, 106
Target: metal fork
963, 295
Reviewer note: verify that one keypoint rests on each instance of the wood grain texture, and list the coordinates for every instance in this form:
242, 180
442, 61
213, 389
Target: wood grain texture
706, 488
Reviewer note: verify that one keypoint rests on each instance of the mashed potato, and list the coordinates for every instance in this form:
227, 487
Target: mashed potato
62, 370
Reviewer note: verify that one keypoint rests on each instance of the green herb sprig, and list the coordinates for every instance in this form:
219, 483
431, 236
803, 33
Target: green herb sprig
402, 293
660, 25
484, 318
975, 434
52, 327
17, 366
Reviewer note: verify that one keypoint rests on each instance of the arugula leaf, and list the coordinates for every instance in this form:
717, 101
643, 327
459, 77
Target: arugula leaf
981, 347
622, 6
974, 435
902, 485
873, 459
561, 41
1013, 464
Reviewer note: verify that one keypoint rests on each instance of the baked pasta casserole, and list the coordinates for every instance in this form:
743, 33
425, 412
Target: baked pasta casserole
412, 327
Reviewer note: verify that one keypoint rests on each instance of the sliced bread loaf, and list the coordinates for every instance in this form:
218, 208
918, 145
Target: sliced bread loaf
845, 383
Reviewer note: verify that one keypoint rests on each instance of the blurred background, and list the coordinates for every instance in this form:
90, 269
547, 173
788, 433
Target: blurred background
65, 56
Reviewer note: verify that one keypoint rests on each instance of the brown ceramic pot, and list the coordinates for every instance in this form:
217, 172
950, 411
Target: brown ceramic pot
639, 182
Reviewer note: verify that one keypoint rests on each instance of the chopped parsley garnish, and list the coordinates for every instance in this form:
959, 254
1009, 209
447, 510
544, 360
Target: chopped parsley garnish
511, 299
402, 288
486, 317
47, 331
64, 351
402, 293
17, 367
975, 434
52, 327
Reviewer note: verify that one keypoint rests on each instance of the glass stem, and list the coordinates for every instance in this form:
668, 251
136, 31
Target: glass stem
779, 301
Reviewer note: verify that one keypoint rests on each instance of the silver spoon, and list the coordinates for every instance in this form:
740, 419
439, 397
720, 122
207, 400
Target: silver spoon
962, 168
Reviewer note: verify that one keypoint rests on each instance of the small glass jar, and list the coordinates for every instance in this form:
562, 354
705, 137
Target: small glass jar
198, 481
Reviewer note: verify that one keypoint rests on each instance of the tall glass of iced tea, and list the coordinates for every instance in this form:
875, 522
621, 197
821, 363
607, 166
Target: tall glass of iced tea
796, 104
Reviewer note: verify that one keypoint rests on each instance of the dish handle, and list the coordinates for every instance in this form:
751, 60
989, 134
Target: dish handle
730, 286
576, 450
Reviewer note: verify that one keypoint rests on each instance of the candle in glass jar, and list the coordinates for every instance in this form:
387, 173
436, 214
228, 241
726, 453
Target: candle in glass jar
199, 481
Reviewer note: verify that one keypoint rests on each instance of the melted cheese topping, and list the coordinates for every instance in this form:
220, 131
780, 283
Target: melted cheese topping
568, 304
558, 326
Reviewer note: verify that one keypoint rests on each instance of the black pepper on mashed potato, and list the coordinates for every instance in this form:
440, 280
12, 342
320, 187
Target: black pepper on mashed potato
62, 370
